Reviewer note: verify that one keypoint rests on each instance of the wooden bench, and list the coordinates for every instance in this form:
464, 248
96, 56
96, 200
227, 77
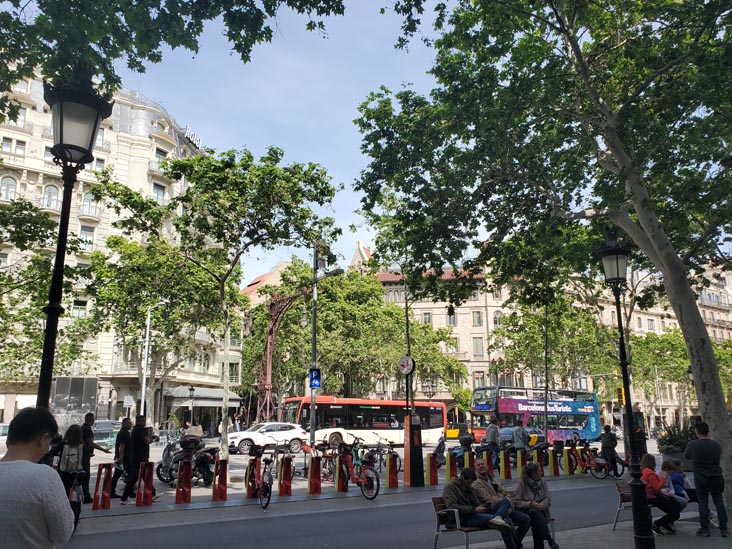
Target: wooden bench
445, 526
625, 502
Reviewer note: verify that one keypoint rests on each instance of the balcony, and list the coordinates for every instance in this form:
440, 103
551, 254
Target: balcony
12, 159
154, 167
89, 212
86, 248
458, 355
49, 205
19, 126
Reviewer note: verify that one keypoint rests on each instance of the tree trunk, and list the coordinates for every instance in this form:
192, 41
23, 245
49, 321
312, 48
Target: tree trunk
224, 449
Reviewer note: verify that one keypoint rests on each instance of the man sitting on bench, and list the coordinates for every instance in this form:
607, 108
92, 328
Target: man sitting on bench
458, 494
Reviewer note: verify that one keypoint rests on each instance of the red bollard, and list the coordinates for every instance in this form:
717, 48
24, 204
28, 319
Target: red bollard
314, 475
253, 476
284, 478
144, 485
392, 472
553, 463
183, 481
342, 469
430, 472
450, 467
505, 465
103, 499
220, 480
538, 459
469, 460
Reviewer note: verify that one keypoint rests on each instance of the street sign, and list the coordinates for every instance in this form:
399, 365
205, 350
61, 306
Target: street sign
406, 365
129, 401
315, 378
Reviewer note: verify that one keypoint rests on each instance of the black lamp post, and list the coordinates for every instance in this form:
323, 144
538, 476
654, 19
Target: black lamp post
191, 393
429, 387
76, 110
615, 262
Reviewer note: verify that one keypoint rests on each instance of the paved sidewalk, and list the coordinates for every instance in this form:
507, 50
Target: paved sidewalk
603, 536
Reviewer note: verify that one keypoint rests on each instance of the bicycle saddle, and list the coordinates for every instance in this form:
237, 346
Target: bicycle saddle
267, 461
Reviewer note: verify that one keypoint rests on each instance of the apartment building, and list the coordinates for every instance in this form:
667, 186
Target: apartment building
132, 142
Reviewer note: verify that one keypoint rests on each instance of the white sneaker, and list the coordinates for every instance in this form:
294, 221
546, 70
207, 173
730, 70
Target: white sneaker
124, 502
500, 522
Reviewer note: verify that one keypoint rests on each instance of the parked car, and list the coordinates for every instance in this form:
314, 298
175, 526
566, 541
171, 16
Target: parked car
536, 435
456, 430
107, 425
3, 437
268, 434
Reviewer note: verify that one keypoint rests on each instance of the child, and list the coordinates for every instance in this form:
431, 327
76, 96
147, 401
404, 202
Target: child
667, 470
682, 485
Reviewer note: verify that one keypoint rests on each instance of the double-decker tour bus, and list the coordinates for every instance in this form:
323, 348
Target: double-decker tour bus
336, 418
571, 415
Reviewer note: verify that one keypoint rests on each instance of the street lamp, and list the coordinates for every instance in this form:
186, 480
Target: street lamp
191, 393
429, 387
76, 112
614, 262
146, 357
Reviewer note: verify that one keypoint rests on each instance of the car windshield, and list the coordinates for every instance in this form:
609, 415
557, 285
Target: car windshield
256, 427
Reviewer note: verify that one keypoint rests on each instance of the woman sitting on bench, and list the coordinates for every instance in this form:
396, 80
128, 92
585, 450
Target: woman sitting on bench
655, 495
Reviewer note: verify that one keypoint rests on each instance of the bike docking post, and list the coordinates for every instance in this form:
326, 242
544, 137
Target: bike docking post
392, 472
253, 476
220, 480
578, 461
505, 465
314, 475
450, 467
284, 478
183, 481
468, 460
553, 463
567, 465
430, 473
144, 485
520, 462
341, 484
104, 477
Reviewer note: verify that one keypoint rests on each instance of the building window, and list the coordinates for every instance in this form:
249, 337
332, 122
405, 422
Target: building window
579, 383
478, 348
497, 319
20, 121
89, 205
479, 379
477, 318
98, 164
663, 325
639, 322
613, 317
79, 309
50, 197
474, 295
497, 294
160, 154
21, 86
537, 378
158, 193
47, 154
3, 261
7, 188
652, 324
452, 319
506, 380
427, 317
20, 148
453, 345
86, 235
7, 145
100, 138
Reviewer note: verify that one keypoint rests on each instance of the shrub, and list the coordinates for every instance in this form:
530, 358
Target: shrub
674, 438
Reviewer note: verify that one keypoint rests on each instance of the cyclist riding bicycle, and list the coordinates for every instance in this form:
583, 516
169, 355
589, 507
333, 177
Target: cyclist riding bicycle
607, 450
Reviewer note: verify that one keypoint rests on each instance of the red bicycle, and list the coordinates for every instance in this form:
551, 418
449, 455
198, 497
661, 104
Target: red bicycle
358, 467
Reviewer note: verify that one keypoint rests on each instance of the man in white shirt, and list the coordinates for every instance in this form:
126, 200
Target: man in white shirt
34, 507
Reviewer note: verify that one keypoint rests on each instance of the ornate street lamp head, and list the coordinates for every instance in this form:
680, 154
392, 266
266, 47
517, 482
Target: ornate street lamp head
191, 391
614, 262
77, 109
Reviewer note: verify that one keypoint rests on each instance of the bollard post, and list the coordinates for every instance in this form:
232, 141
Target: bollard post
220, 480
538, 458
183, 482
505, 465
430, 473
469, 460
284, 478
252, 477
145, 485
341, 473
553, 463
568, 470
392, 472
104, 477
520, 462
578, 468
450, 467
314, 475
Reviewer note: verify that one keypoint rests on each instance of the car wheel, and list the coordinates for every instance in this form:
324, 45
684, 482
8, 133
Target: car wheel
295, 445
335, 439
244, 446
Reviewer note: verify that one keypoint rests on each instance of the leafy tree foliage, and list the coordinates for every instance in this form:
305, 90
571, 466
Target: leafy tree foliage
601, 115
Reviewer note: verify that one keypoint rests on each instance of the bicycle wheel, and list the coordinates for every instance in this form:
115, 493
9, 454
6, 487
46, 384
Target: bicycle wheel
620, 467
265, 492
369, 483
398, 462
344, 476
327, 469
598, 468
572, 463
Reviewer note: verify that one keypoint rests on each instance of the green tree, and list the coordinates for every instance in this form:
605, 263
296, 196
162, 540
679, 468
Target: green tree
602, 115
24, 282
133, 276
231, 204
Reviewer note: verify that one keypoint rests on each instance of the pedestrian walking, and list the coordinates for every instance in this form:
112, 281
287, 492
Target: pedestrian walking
706, 453
89, 446
655, 486
492, 495
533, 498
140, 440
35, 506
520, 436
493, 439
122, 454
608, 442
458, 494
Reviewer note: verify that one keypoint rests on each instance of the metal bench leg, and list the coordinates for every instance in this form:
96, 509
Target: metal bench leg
437, 536
467, 540
617, 514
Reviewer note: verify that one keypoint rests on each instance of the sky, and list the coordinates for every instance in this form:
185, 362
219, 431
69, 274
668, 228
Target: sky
300, 92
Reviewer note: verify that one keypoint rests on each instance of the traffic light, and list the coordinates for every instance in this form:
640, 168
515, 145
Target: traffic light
621, 396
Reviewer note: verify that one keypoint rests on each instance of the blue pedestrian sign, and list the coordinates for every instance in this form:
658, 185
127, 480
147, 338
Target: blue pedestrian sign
315, 378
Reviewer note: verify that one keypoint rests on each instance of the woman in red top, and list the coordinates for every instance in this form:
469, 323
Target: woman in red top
667, 504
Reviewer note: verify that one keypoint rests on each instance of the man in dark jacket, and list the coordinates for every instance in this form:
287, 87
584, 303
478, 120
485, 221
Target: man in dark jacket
122, 454
458, 494
87, 435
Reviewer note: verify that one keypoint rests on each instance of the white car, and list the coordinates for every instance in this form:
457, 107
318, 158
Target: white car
3, 438
268, 434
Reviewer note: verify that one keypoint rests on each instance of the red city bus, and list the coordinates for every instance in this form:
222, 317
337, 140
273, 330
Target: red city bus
336, 417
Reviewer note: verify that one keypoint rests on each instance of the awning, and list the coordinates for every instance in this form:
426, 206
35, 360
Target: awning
205, 397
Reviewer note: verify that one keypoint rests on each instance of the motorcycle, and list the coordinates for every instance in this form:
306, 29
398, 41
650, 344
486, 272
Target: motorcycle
162, 469
439, 451
203, 460
466, 446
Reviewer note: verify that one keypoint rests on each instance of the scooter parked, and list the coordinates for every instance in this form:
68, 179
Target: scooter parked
203, 459
162, 469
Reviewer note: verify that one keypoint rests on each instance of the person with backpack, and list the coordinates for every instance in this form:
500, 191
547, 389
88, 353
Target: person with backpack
520, 436
493, 439
607, 450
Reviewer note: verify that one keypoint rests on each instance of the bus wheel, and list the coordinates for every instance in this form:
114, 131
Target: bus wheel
334, 440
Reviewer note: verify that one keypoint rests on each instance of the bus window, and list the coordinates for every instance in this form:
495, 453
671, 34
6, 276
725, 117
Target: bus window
535, 421
335, 416
509, 392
